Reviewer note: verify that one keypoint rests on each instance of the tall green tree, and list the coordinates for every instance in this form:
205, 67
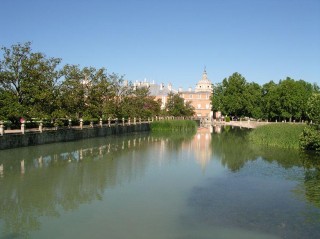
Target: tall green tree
140, 104
271, 101
72, 93
253, 100
176, 106
28, 82
233, 95
313, 108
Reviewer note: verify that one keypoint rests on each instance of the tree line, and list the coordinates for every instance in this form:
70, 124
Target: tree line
33, 85
286, 100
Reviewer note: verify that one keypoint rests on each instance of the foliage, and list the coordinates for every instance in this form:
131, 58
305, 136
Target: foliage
313, 108
227, 119
28, 82
177, 107
174, 125
278, 134
234, 96
310, 138
140, 104
31, 86
284, 101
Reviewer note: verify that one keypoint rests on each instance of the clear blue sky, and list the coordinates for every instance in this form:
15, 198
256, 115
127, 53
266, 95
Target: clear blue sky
172, 40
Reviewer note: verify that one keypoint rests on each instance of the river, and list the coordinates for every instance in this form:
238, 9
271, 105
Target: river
212, 184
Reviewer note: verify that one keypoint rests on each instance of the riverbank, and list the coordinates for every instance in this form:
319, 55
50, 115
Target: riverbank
30, 138
279, 135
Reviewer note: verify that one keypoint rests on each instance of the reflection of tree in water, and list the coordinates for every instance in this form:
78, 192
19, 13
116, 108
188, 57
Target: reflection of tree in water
254, 198
232, 146
309, 188
63, 176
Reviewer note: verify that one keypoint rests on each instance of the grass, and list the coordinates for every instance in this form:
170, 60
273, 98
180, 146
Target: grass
173, 125
280, 135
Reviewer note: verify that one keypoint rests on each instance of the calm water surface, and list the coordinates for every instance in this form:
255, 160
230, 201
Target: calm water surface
207, 185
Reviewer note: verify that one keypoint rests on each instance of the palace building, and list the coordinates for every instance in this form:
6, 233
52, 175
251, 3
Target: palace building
199, 97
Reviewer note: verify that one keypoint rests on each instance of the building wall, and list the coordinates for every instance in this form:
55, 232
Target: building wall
200, 101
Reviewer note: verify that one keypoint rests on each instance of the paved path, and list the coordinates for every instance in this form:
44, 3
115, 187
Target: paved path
245, 124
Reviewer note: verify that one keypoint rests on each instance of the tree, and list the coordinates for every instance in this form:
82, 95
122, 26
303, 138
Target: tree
233, 95
72, 93
270, 101
176, 107
293, 96
313, 108
28, 81
140, 104
217, 98
253, 100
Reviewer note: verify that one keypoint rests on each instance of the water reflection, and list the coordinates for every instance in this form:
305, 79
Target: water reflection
261, 192
48, 180
40, 181
234, 150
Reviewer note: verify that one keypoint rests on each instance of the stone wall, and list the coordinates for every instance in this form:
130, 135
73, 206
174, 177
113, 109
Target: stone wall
8, 141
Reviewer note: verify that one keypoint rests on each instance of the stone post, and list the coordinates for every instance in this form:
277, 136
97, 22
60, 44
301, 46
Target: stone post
140, 120
109, 122
91, 124
81, 123
22, 165
151, 119
23, 127
41, 127
100, 122
129, 121
1, 170
134, 120
1, 128
148, 119
69, 125
122, 121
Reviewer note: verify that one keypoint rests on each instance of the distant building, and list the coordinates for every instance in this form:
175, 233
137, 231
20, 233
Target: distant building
199, 98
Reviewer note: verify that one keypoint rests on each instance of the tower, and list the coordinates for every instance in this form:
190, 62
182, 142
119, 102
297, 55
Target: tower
204, 85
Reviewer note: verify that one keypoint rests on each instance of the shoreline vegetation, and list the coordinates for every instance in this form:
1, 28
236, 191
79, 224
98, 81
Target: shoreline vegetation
174, 126
288, 136
280, 135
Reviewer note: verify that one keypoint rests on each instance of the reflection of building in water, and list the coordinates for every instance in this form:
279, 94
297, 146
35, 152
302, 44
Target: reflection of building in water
200, 146
217, 129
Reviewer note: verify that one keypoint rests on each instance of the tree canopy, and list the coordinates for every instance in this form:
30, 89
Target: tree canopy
286, 100
34, 86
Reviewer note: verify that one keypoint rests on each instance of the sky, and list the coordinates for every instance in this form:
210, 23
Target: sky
171, 41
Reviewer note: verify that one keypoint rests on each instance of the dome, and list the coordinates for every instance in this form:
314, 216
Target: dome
204, 84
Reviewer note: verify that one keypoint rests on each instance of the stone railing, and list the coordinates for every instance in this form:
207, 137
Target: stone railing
81, 124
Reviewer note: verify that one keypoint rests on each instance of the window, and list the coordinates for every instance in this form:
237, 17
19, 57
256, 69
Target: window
199, 106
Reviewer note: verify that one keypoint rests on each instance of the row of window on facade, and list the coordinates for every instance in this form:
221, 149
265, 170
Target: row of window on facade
190, 96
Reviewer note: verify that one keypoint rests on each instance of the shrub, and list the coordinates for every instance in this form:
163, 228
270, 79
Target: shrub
310, 138
227, 119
